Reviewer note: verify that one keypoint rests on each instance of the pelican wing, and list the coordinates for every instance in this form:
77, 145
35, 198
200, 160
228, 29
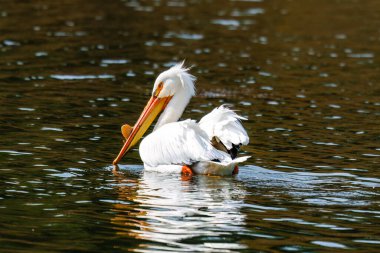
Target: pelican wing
180, 143
224, 124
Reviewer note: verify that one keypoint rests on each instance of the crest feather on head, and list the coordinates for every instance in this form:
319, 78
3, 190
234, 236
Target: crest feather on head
181, 72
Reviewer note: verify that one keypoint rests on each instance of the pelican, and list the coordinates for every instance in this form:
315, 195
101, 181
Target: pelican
207, 147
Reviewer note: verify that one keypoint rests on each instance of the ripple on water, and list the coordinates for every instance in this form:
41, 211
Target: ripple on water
81, 77
185, 36
56, 129
361, 55
11, 43
15, 153
367, 241
306, 187
226, 22
114, 61
41, 54
325, 143
26, 109
330, 244
247, 12
63, 175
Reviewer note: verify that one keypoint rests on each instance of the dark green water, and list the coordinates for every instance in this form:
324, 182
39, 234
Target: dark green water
305, 73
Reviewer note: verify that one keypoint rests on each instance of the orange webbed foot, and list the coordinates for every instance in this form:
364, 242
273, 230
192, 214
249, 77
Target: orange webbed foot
126, 130
186, 173
186, 170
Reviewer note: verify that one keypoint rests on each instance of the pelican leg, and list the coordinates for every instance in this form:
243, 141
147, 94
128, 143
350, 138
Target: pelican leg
186, 170
236, 170
186, 173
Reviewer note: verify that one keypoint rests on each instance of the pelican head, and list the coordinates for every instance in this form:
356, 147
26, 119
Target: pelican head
174, 80
171, 93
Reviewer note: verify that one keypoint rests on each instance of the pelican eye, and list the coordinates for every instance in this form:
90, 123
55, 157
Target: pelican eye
158, 90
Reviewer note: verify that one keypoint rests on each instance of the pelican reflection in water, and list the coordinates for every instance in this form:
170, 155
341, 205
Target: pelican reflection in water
163, 212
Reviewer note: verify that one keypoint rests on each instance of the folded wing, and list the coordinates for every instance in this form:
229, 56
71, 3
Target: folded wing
223, 128
180, 143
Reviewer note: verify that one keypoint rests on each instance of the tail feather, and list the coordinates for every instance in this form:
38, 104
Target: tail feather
224, 168
240, 159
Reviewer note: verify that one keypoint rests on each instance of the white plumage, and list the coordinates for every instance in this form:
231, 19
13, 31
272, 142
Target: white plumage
173, 144
225, 124
180, 143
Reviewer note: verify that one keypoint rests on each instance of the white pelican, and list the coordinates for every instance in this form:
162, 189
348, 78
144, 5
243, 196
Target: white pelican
208, 147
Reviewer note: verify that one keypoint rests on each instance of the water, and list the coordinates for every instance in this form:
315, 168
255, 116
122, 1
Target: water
305, 73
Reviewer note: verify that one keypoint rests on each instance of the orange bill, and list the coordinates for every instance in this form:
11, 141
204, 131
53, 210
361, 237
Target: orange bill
151, 111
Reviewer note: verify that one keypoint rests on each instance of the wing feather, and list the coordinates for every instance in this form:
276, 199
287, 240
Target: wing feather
181, 142
225, 124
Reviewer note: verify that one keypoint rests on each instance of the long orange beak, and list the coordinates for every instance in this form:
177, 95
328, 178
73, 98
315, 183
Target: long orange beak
154, 106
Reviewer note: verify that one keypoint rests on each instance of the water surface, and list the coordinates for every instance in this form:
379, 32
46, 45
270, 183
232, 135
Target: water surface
304, 73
